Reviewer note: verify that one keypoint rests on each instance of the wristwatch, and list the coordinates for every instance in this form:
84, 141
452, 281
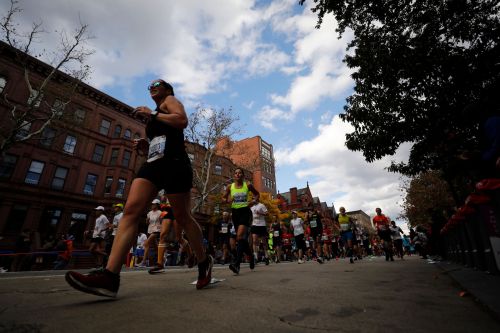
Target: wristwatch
153, 114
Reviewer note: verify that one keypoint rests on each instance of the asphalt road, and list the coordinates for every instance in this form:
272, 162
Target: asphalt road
368, 296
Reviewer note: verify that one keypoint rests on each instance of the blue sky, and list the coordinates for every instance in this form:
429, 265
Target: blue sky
265, 59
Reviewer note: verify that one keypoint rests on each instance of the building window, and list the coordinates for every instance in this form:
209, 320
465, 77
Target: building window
117, 132
35, 98
120, 191
98, 153
34, 173
58, 107
79, 116
128, 134
24, 130
114, 156
265, 152
137, 136
3, 83
69, 144
8, 165
16, 219
104, 128
90, 184
218, 169
59, 178
48, 135
126, 158
107, 185
50, 220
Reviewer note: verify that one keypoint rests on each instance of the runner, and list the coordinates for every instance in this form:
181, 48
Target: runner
397, 239
238, 196
286, 241
275, 230
153, 220
316, 226
297, 225
326, 238
98, 234
167, 223
167, 167
224, 236
259, 230
346, 225
381, 222
116, 220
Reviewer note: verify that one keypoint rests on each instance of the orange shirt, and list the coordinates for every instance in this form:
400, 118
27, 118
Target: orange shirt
381, 221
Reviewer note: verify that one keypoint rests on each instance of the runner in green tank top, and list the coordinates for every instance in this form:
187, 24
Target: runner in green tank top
238, 196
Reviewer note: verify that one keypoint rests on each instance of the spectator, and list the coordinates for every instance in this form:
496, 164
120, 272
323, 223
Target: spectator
65, 248
22, 259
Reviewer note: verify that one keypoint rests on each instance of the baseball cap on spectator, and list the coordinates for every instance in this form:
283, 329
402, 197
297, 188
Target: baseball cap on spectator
118, 205
156, 201
99, 208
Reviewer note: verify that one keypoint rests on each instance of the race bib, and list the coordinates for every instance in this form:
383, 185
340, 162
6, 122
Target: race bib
324, 237
240, 197
223, 230
344, 226
157, 148
276, 233
314, 224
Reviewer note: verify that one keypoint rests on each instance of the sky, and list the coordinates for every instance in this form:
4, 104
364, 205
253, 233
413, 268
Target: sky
265, 60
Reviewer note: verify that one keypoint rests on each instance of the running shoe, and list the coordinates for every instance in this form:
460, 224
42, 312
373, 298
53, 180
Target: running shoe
157, 269
234, 268
205, 272
319, 260
98, 282
142, 264
252, 262
300, 261
267, 261
351, 260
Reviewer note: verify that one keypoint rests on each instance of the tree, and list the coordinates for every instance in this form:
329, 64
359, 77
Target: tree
271, 204
206, 127
425, 72
427, 199
27, 121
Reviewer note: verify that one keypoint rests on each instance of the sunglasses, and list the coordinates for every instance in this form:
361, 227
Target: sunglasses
155, 85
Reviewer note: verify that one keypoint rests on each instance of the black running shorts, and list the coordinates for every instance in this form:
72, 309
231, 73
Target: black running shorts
173, 175
241, 216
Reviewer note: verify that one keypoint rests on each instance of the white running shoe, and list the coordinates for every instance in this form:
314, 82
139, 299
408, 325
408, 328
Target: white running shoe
301, 261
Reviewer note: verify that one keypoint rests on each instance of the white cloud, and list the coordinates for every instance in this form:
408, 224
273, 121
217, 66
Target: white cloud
196, 45
268, 114
338, 175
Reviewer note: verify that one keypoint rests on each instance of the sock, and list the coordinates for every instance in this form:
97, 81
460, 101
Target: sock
162, 247
110, 273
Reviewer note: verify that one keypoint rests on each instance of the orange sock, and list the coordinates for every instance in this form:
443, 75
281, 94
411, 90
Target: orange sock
161, 252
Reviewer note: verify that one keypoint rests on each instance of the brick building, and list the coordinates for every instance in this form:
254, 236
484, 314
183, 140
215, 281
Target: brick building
256, 155
52, 184
362, 219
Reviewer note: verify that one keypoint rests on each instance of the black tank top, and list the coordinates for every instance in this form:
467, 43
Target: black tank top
174, 146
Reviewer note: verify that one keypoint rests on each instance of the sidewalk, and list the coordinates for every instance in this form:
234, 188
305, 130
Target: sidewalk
482, 286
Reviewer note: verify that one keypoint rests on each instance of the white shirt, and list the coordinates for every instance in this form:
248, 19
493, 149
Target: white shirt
395, 234
100, 226
259, 211
154, 221
116, 221
140, 240
298, 226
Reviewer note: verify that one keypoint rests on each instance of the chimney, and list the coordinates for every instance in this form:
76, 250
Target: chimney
293, 195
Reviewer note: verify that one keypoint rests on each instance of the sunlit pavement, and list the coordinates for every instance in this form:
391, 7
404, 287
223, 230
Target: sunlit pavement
371, 295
